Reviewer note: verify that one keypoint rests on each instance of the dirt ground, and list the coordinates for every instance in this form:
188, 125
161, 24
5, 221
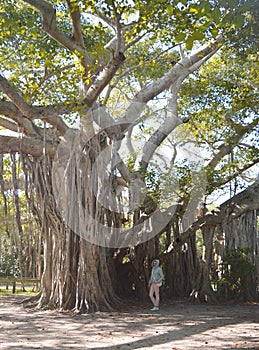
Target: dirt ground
177, 326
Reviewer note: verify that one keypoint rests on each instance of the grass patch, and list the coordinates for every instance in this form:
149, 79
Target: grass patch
30, 290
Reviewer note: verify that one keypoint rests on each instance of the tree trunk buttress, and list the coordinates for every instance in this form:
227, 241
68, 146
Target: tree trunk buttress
74, 269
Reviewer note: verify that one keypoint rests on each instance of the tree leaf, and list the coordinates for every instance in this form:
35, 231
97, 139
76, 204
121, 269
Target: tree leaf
216, 15
198, 35
194, 9
238, 21
180, 37
214, 32
170, 10
189, 43
204, 7
233, 4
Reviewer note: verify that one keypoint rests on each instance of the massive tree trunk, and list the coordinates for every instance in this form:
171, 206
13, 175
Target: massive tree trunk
75, 272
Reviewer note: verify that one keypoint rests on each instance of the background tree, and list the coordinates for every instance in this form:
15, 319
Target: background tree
19, 239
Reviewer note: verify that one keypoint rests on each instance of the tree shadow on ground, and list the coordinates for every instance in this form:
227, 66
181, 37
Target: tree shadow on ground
175, 326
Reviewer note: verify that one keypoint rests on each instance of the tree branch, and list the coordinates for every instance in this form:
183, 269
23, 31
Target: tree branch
171, 122
77, 29
244, 201
33, 146
104, 18
136, 40
15, 96
180, 70
103, 79
189, 64
49, 114
48, 75
225, 149
10, 111
49, 24
130, 69
118, 31
7, 124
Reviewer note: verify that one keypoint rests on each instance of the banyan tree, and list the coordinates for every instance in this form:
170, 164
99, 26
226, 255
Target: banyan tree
123, 127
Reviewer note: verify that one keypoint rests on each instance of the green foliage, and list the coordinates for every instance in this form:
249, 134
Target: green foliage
8, 261
34, 62
45, 71
222, 99
238, 274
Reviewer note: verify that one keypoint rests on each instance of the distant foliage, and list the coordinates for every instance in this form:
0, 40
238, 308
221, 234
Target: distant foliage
8, 262
239, 274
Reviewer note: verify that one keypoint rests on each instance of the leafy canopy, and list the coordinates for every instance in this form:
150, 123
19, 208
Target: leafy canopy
45, 71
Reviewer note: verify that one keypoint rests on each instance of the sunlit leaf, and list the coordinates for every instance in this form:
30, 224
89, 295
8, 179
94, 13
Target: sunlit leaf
170, 10
189, 43
180, 37
238, 21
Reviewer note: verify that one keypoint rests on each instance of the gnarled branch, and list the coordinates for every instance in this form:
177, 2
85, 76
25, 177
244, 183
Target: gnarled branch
244, 201
180, 70
15, 96
19, 110
33, 146
49, 24
171, 122
225, 149
7, 124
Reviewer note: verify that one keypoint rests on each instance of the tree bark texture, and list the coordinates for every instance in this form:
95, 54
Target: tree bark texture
75, 272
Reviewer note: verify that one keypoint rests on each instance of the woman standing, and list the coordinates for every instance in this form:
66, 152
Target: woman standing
155, 282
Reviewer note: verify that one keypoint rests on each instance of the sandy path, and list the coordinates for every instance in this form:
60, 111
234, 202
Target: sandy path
176, 326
